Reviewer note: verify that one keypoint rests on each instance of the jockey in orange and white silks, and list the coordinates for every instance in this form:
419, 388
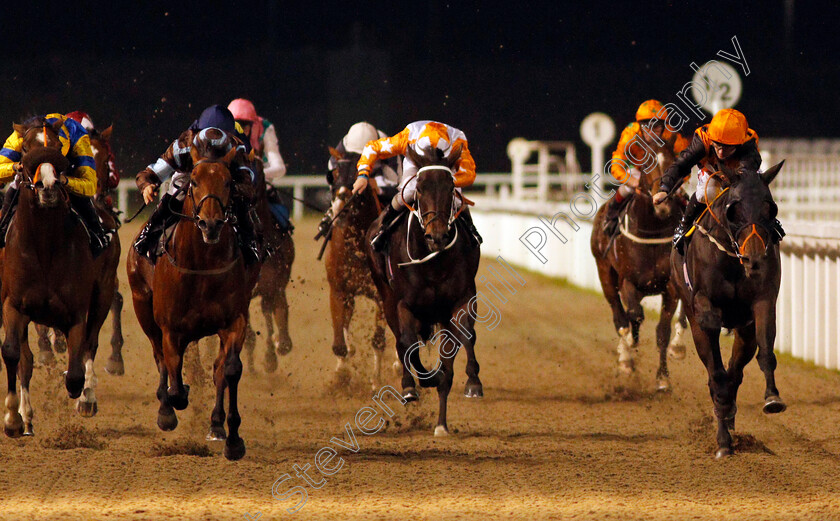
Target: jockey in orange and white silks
420, 135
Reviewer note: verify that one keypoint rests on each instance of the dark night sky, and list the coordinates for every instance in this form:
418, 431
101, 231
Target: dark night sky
496, 70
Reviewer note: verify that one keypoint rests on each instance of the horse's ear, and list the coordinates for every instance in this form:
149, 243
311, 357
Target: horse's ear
106, 134
196, 156
335, 153
771, 173
454, 156
413, 156
20, 129
229, 156
57, 125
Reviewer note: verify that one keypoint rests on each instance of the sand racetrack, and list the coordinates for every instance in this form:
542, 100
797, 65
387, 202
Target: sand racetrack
558, 435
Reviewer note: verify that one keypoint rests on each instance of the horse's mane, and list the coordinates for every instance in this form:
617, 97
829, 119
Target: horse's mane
34, 121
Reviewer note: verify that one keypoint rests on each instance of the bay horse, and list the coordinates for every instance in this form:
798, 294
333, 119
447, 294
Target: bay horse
636, 263
348, 271
200, 287
426, 279
275, 274
107, 179
730, 277
49, 276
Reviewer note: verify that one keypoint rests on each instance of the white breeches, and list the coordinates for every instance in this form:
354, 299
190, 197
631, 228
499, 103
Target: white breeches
707, 187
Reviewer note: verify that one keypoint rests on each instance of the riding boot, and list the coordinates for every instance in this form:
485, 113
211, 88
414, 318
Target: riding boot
381, 238
614, 208
99, 238
8, 210
778, 231
692, 212
244, 228
150, 233
474, 236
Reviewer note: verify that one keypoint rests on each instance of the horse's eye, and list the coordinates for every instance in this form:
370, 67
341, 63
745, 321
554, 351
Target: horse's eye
193, 183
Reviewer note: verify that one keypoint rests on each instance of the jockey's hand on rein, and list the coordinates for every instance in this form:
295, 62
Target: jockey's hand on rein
360, 184
149, 193
659, 197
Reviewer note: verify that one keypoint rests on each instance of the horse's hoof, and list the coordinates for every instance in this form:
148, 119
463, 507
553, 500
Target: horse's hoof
626, 367
60, 344
283, 347
46, 358
115, 367
473, 390
340, 351
28, 430
216, 434
723, 452
87, 409
663, 385
441, 431
270, 362
167, 422
234, 449
410, 394
677, 352
774, 405
13, 426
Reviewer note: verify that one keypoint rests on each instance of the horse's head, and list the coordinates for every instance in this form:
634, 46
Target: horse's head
210, 194
345, 172
653, 171
100, 145
749, 213
42, 160
435, 193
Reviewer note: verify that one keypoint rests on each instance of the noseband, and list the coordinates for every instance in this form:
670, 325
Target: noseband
421, 216
227, 210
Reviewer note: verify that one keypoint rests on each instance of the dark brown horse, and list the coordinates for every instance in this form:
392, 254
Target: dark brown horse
200, 287
426, 279
635, 264
348, 271
729, 277
271, 288
100, 145
49, 276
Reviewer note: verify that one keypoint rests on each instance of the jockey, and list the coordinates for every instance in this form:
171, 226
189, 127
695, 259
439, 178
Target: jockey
113, 173
263, 138
385, 172
725, 142
652, 116
177, 162
418, 135
80, 181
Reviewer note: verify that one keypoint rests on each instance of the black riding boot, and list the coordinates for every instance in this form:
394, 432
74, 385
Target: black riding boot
150, 233
381, 238
692, 212
8, 210
614, 208
248, 238
99, 238
475, 237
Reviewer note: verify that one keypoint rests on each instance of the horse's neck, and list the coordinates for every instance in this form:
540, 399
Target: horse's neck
38, 225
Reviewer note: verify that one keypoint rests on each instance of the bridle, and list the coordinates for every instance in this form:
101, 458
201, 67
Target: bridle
227, 210
421, 216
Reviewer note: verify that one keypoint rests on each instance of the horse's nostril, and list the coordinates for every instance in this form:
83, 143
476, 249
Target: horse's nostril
202, 224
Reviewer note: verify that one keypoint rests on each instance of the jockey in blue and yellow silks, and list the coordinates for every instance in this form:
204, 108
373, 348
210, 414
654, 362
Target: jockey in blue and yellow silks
80, 180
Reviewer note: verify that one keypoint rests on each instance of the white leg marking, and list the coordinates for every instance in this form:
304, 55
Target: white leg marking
377, 369
91, 380
25, 409
340, 363
12, 417
625, 350
350, 349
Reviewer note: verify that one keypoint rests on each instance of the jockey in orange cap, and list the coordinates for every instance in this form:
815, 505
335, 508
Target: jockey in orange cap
725, 142
650, 120
420, 135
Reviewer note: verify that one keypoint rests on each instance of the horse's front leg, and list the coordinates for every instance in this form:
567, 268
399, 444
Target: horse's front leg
114, 365
232, 339
217, 417
74, 379
45, 349
177, 395
15, 325
408, 351
270, 360
378, 344
629, 336
764, 312
663, 335
338, 312
25, 372
743, 350
462, 325
282, 342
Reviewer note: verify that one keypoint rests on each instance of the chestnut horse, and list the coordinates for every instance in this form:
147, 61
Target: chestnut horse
275, 274
106, 177
635, 264
348, 273
49, 276
730, 277
200, 287
426, 278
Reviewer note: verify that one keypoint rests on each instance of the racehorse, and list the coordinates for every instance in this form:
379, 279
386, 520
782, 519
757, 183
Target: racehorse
49, 276
348, 272
275, 274
426, 278
199, 287
730, 277
635, 264
107, 178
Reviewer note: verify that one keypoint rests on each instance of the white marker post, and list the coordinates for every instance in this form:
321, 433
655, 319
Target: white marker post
597, 131
722, 86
